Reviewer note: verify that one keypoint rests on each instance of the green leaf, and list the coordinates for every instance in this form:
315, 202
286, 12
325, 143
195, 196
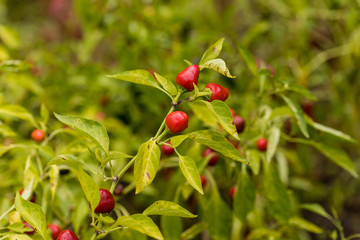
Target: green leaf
44, 113
171, 227
248, 58
193, 231
31, 174
338, 156
141, 223
79, 214
303, 91
223, 115
89, 187
316, 208
274, 137
32, 214
14, 66
167, 208
66, 159
9, 37
6, 131
212, 52
90, 128
106, 219
218, 216
178, 139
54, 179
218, 143
20, 237
146, 164
190, 172
136, 76
330, 130
254, 158
202, 112
17, 111
166, 84
299, 115
304, 224
244, 198
18, 227
278, 201
219, 66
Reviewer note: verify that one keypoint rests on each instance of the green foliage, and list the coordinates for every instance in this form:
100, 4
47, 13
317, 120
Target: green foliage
293, 80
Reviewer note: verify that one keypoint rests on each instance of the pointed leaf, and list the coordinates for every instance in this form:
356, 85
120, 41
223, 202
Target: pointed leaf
66, 159
244, 199
177, 140
136, 76
338, 156
79, 214
92, 129
20, 237
223, 115
299, 115
166, 84
141, 223
217, 215
304, 224
274, 137
167, 208
318, 209
212, 52
190, 172
202, 112
278, 201
248, 58
17, 111
330, 130
32, 214
44, 113
54, 179
89, 187
146, 164
303, 91
219, 143
254, 158
193, 231
219, 66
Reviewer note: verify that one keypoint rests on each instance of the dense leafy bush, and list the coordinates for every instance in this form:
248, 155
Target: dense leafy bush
107, 132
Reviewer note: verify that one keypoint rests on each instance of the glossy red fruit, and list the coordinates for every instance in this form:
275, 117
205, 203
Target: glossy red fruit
232, 192
38, 135
188, 77
30, 232
203, 181
261, 144
167, 150
177, 121
218, 92
215, 157
107, 202
55, 230
239, 123
32, 199
67, 235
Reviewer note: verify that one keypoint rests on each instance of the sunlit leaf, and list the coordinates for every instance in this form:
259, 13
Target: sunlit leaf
146, 164
219, 66
141, 223
167, 208
92, 129
212, 52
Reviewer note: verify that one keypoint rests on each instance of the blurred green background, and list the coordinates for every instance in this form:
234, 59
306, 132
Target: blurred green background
67, 48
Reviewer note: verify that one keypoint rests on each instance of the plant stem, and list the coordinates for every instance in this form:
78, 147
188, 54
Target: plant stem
7, 212
128, 165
